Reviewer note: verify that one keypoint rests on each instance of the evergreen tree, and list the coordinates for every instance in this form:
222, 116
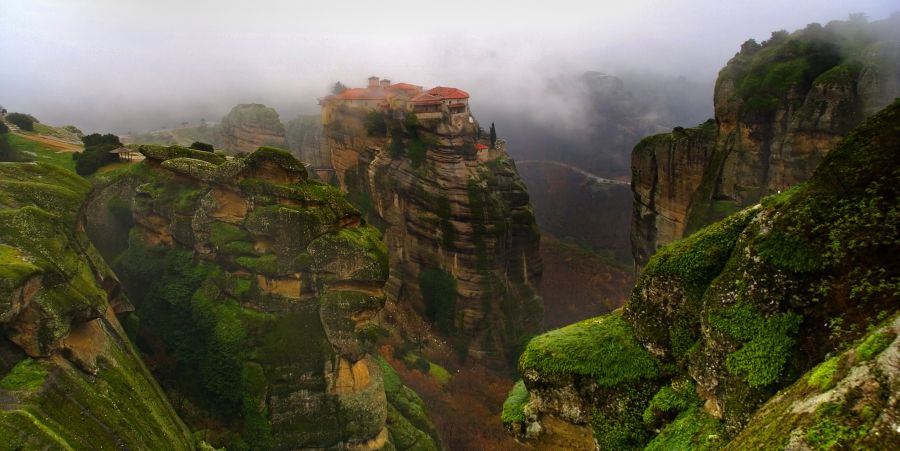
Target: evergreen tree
493, 135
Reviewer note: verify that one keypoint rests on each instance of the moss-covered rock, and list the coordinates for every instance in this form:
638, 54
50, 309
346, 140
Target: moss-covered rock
77, 383
741, 310
260, 285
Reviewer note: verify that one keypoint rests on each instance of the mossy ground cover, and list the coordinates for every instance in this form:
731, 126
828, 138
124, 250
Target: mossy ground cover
515, 401
603, 348
26, 375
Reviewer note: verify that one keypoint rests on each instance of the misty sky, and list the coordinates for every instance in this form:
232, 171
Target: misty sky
118, 65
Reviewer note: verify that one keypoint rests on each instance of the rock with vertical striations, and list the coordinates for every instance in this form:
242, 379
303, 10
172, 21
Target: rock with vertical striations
779, 107
249, 126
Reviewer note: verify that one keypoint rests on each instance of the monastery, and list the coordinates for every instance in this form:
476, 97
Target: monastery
400, 97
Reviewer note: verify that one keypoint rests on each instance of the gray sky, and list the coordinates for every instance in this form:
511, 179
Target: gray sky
127, 64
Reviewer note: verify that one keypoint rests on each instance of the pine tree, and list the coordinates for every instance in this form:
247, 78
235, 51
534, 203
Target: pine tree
493, 135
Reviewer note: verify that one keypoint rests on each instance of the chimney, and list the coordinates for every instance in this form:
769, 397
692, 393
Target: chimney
373, 82
385, 83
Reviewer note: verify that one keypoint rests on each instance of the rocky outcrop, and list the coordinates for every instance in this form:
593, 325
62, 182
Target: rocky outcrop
720, 322
260, 284
249, 126
460, 232
69, 376
779, 107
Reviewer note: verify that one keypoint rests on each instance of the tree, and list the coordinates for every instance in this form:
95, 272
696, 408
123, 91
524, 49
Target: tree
3, 128
197, 145
96, 153
493, 135
338, 88
375, 124
23, 121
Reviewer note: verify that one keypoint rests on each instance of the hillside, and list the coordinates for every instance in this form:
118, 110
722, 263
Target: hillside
798, 291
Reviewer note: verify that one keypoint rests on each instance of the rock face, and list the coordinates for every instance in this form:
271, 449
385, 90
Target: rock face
461, 234
779, 107
721, 321
249, 126
260, 285
69, 376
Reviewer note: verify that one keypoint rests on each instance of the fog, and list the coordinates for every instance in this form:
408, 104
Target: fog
120, 65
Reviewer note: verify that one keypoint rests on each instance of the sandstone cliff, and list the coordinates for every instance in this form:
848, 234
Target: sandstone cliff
460, 231
257, 292
721, 321
249, 126
69, 376
779, 107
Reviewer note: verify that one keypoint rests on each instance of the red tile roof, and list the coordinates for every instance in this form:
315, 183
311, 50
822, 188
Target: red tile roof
426, 98
361, 94
480, 146
405, 87
449, 93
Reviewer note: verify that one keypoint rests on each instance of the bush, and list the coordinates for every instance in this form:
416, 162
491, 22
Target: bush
23, 121
96, 153
3, 128
197, 145
375, 124
439, 293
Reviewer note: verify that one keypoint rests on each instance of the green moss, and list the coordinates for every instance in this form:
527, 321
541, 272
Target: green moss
767, 342
671, 400
407, 422
162, 153
822, 376
265, 264
222, 233
874, 344
691, 430
603, 348
516, 399
26, 375
834, 427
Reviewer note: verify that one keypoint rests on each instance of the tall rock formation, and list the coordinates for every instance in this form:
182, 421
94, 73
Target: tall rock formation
461, 234
258, 292
69, 375
775, 327
249, 126
779, 107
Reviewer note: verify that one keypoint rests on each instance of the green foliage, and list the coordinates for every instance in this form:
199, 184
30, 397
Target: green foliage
23, 121
767, 342
26, 375
222, 233
603, 348
375, 123
202, 146
764, 78
448, 232
3, 128
874, 344
822, 376
96, 153
671, 400
516, 399
416, 152
622, 427
692, 430
265, 264
439, 293
834, 427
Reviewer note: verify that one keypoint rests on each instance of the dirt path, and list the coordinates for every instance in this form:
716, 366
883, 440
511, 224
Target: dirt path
63, 146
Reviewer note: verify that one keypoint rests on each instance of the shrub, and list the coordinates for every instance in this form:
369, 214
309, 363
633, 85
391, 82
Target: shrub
197, 145
96, 153
439, 293
23, 121
375, 125
3, 128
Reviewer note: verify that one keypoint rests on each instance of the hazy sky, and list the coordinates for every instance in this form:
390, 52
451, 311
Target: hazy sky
128, 64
